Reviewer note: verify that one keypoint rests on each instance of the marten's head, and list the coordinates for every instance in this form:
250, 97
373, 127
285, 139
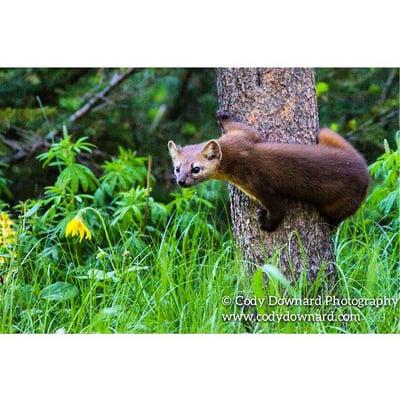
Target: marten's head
195, 163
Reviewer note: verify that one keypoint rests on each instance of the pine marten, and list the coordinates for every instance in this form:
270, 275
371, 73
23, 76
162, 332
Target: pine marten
332, 175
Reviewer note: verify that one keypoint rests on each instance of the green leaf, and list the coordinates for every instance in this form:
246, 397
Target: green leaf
189, 129
100, 275
25, 295
321, 88
334, 126
259, 288
59, 291
275, 274
32, 210
353, 124
374, 88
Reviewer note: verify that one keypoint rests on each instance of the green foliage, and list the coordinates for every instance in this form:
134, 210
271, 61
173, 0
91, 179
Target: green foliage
64, 152
131, 208
4, 182
361, 103
73, 175
380, 214
321, 88
124, 171
385, 199
59, 291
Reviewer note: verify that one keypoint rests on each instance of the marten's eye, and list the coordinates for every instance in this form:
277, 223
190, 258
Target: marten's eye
195, 170
177, 169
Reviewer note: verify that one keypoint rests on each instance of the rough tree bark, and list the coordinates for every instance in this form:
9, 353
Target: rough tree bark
281, 103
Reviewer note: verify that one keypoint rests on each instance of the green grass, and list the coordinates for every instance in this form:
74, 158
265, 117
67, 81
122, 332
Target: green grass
176, 284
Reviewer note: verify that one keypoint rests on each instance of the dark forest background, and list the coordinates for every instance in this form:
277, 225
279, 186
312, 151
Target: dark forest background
151, 106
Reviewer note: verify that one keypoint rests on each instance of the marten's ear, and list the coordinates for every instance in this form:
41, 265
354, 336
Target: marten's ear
212, 150
173, 149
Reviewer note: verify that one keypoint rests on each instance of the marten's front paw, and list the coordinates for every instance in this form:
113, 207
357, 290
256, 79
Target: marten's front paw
266, 223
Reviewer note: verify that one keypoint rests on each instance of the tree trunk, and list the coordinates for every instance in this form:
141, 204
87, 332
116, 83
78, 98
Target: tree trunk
281, 103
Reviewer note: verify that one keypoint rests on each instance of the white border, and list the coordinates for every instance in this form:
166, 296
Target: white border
199, 366
174, 33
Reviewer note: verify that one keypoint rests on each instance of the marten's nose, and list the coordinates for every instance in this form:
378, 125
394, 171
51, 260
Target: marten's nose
181, 183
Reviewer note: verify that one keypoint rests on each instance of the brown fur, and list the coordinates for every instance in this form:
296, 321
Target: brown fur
332, 175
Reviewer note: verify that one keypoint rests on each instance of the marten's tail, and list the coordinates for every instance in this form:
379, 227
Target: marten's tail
329, 138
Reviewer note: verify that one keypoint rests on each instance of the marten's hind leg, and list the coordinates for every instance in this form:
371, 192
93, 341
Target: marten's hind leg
232, 127
336, 211
269, 221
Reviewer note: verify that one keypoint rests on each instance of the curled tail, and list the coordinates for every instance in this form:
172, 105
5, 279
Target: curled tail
326, 137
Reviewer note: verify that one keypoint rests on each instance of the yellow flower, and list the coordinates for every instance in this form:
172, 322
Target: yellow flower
5, 220
7, 233
77, 227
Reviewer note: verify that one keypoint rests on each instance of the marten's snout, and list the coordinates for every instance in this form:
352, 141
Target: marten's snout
182, 183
